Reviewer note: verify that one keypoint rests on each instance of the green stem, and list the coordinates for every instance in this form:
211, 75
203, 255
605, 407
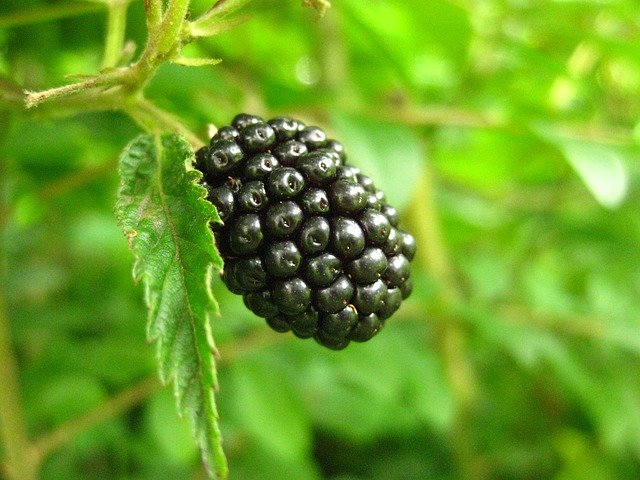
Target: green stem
161, 45
45, 13
166, 38
153, 119
13, 425
103, 81
451, 338
113, 407
153, 9
116, 27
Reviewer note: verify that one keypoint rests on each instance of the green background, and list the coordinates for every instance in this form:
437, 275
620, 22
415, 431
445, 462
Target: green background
506, 132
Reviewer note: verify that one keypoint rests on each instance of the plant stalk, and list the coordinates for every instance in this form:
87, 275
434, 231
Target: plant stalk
434, 258
13, 424
115, 34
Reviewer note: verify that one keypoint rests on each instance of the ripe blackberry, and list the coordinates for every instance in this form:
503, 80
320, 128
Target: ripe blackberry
309, 242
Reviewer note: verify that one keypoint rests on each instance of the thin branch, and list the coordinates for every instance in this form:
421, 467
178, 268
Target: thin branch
152, 118
167, 37
153, 10
103, 81
45, 13
127, 399
13, 425
115, 34
76, 180
451, 340
113, 407
586, 326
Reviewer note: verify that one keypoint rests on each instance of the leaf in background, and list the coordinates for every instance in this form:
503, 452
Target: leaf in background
165, 218
601, 167
390, 154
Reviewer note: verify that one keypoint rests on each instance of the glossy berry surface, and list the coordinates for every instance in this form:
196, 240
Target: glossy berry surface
308, 240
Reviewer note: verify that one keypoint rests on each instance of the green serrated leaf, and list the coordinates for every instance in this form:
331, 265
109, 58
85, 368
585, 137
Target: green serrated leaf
163, 213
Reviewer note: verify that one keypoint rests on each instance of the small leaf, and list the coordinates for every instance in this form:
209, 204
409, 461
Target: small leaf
220, 17
601, 167
165, 218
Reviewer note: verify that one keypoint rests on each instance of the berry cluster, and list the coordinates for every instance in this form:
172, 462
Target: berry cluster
309, 242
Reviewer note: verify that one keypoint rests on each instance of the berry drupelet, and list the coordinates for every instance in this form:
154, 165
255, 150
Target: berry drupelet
308, 241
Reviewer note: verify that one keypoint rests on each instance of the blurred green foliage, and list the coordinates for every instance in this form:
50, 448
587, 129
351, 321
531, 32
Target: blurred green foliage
518, 355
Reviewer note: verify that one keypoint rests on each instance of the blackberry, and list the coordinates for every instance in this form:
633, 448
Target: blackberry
309, 242
323, 269
282, 259
314, 235
259, 166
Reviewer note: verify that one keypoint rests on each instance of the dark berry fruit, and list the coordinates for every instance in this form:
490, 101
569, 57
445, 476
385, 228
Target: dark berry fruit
246, 234
243, 120
261, 304
397, 271
285, 128
252, 197
259, 166
278, 323
284, 183
289, 152
312, 137
366, 328
391, 213
338, 148
347, 239
370, 298
250, 274
368, 267
224, 156
376, 227
393, 245
305, 324
406, 288
292, 296
310, 243
282, 259
339, 324
366, 183
408, 244
373, 203
257, 137
347, 197
222, 198
391, 303
331, 341
314, 202
317, 167
335, 297
314, 235
347, 173
282, 219
229, 278
323, 269
225, 133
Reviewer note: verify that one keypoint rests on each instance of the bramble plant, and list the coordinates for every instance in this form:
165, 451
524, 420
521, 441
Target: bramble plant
505, 137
